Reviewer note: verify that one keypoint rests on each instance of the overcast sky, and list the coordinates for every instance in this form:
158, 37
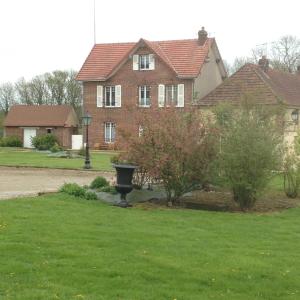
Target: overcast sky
38, 36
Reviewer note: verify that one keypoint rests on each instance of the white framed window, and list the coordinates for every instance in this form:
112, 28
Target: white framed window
109, 132
171, 95
110, 96
144, 62
144, 96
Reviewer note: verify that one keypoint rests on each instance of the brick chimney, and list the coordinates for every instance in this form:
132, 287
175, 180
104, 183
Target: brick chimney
264, 63
202, 36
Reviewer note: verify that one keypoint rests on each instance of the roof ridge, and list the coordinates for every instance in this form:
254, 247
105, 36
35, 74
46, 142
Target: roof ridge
261, 75
167, 58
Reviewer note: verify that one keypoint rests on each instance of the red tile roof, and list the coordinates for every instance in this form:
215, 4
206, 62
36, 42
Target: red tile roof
184, 57
269, 87
41, 115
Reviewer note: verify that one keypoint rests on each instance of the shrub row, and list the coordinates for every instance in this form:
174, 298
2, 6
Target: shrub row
45, 142
10, 141
76, 190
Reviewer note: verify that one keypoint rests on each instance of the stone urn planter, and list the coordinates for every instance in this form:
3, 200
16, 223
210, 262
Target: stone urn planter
124, 181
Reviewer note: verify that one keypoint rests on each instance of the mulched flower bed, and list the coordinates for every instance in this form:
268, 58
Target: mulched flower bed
223, 201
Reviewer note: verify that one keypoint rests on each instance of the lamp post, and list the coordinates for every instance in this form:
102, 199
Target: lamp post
86, 121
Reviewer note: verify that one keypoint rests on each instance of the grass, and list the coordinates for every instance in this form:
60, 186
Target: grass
30, 158
60, 247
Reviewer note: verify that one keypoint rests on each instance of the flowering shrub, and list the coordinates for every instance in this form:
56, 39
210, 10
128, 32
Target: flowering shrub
175, 148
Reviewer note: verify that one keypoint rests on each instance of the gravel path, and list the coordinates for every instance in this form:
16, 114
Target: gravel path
18, 182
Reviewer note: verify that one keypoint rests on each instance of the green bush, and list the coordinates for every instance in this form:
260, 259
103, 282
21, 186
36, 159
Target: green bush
44, 142
56, 148
90, 195
73, 189
10, 141
99, 182
109, 189
250, 148
81, 152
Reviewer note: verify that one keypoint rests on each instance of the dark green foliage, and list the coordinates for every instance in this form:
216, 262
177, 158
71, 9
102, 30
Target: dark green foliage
10, 141
109, 189
44, 142
90, 195
73, 189
56, 148
250, 148
81, 152
99, 182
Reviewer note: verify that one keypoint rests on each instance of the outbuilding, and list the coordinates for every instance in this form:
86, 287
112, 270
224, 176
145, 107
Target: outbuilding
28, 121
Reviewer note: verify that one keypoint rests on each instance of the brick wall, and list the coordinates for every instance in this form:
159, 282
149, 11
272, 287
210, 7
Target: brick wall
64, 134
126, 116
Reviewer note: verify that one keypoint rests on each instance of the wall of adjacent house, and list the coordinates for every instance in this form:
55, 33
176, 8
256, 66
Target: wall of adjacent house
126, 117
209, 78
291, 129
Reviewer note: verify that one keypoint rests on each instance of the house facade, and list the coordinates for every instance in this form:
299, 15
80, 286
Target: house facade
122, 81
269, 86
28, 121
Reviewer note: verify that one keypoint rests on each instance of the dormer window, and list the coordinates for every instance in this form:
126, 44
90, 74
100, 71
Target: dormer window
143, 62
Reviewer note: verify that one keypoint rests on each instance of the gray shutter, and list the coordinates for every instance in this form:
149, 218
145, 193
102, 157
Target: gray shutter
118, 96
161, 95
135, 62
180, 95
99, 95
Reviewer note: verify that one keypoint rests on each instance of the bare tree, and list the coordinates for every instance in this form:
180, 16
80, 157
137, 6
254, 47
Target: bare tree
39, 93
56, 84
7, 96
238, 63
285, 54
23, 91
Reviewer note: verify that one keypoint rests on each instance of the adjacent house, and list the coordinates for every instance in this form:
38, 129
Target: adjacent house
269, 86
27, 121
121, 80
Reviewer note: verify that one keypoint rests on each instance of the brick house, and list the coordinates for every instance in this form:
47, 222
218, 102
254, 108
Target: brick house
269, 86
121, 80
27, 121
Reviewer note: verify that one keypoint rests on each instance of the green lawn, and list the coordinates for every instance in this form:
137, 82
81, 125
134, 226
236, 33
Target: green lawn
20, 157
59, 247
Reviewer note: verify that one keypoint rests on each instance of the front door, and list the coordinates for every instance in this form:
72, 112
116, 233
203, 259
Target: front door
29, 133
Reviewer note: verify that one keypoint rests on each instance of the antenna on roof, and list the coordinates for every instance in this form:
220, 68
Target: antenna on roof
263, 49
94, 22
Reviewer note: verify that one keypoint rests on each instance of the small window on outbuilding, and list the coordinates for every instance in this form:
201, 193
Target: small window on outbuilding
49, 130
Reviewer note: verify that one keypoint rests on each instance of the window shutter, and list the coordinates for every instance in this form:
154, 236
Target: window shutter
151, 62
135, 62
99, 95
118, 95
161, 95
180, 95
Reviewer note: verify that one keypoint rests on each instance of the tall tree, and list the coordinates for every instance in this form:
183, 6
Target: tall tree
285, 54
56, 84
23, 91
39, 93
7, 96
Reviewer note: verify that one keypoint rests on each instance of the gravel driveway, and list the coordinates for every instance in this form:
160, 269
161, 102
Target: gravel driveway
17, 182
